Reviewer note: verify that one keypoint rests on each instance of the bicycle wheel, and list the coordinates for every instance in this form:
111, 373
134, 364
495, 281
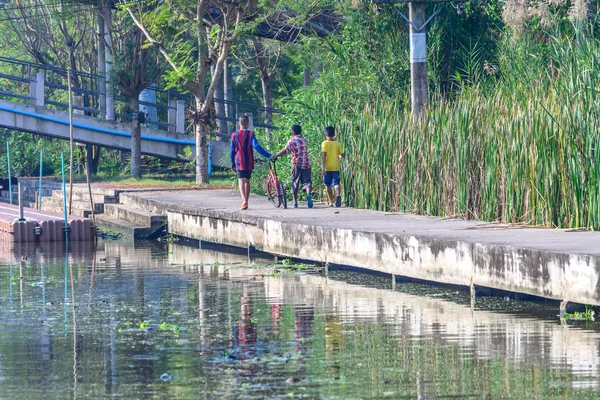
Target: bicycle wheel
282, 197
272, 193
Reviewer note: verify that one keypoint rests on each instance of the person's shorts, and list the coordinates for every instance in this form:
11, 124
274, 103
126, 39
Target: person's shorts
244, 174
300, 176
331, 178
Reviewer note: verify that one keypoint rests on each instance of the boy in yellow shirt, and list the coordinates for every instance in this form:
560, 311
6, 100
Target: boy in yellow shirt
331, 154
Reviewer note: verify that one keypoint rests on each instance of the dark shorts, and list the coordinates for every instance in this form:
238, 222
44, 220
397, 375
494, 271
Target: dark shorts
244, 174
331, 178
300, 176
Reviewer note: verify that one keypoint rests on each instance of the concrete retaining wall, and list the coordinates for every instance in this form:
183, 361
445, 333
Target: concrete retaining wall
523, 262
540, 273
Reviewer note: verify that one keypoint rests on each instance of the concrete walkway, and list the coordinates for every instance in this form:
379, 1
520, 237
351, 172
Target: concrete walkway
558, 264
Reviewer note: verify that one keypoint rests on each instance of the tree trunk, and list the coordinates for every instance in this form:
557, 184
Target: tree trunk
101, 64
265, 80
110, 106
95, 159
220, 107
136, 138
267, 102
228, 92
201, 149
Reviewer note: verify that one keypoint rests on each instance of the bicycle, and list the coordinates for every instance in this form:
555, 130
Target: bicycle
275, 189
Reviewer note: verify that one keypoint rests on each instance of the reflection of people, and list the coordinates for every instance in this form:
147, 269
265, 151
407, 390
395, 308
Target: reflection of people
301, 172
242, 156
333, 337
304, 318
247, 330
275, 316
247, 336
331, 154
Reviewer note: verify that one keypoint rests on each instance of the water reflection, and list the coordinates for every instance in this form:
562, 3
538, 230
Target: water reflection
172, 321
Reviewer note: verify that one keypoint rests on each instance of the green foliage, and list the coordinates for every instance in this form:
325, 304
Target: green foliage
168, 238
107, 234
588, 315
25, 154
514, 142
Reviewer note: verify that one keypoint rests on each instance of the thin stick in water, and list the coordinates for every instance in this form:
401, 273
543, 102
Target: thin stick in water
70, 144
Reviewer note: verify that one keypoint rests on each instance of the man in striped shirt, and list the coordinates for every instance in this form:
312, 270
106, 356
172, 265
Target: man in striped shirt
301, 172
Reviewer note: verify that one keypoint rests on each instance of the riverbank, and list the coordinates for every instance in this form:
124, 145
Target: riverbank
556, 264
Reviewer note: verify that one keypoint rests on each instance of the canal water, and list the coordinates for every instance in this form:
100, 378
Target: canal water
169, 321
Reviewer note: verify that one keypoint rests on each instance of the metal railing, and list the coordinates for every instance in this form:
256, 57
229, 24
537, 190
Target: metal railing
19, 80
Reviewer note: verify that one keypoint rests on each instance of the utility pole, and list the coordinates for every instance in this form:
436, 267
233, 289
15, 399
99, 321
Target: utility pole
418, 58
418, 49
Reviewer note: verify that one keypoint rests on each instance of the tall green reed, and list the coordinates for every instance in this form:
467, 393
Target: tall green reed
521, 150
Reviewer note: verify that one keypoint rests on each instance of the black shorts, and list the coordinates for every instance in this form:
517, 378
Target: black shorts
244, 174
300, 176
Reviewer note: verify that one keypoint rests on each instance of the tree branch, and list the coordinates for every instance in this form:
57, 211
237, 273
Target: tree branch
154, 42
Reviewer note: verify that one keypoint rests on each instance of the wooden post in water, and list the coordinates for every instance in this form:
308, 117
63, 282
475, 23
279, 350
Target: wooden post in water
21, 215
89, 185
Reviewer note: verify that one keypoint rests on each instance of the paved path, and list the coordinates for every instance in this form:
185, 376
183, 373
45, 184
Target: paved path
227, 202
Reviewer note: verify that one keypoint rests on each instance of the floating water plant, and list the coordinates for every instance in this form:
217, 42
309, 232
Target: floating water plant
587, 315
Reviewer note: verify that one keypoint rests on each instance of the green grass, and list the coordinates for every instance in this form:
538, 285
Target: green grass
159, 180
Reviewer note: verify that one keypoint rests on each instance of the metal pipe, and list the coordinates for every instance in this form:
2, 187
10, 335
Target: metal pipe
71, 146
40, 189
9, 175
21, 214
209, 158
64, 186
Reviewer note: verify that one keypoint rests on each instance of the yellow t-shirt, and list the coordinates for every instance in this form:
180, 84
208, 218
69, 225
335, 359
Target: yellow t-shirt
332, 149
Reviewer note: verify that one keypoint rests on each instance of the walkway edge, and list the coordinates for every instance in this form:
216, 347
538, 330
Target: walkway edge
560, 276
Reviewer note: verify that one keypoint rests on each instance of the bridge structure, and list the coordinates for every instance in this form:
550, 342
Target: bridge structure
34, 99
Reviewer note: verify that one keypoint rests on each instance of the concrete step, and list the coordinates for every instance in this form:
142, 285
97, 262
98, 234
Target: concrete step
31, 192
80, 195
141, 203
27, 196
15, 202
46, 183
57, 202
134, 215
34, 188
128, 229
76, 212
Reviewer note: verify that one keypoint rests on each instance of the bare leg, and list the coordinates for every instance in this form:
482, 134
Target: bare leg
338, 199
330, 194
295, 197
241, 185
247, 189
